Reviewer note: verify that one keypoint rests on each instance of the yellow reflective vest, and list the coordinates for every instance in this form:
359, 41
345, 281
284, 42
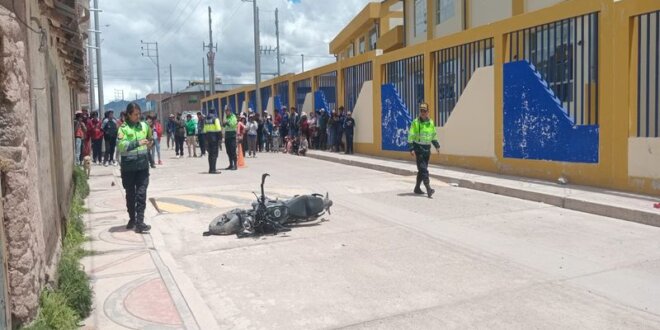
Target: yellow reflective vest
212, 126
422, 134
134, 157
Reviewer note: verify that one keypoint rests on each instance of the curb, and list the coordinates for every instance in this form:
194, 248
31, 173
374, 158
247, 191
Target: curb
567, 202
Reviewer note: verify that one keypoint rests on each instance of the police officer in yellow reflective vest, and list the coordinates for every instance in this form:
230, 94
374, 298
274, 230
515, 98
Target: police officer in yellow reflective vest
212, 129
135, 137
230, 138
420, 138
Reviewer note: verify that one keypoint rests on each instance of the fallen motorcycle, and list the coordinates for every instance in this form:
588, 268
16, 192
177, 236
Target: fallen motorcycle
270, 215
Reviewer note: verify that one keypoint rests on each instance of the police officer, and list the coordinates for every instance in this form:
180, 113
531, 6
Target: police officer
230, 138
135, 138
212, 131
420, 137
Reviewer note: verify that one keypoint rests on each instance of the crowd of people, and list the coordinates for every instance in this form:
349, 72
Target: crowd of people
90, 133
288, 132
136, 142
295, 133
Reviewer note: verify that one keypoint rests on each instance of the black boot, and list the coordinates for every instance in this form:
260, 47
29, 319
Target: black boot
429, 190
130, 225
142, 227
417, 190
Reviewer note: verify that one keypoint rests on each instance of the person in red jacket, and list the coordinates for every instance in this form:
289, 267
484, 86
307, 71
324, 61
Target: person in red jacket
95, 133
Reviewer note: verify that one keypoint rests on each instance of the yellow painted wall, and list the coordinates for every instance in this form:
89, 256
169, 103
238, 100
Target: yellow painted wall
470, 129
621, 159
363, 114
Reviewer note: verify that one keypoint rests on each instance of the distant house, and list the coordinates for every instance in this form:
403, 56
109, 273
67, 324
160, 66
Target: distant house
188, 99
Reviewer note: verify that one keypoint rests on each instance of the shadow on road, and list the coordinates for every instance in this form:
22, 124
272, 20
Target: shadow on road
411, 195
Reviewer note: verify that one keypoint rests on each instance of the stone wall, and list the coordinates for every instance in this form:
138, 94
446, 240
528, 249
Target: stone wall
36, 153
18, 155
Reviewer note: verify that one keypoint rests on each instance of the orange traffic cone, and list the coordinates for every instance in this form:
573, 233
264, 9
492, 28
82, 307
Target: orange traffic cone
241, 159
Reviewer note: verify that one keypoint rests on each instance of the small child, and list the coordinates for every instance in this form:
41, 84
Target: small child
288, 145
304, 145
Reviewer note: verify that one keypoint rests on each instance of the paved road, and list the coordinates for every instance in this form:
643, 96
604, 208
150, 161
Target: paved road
388, 259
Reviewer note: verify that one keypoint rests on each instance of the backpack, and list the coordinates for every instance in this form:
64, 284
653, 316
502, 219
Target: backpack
110, 128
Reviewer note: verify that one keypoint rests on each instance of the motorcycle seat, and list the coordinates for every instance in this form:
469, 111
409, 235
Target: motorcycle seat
304, 206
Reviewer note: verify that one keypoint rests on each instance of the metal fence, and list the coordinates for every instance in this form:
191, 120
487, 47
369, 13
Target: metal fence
565, 53
354, 77
327, 83
232, 104
648, 67
223, 104
301, 88
252, 101
407, 75
266, 93
282, 90
453, 70
240, 100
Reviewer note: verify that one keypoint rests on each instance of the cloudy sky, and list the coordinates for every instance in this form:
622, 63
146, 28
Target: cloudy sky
181, 26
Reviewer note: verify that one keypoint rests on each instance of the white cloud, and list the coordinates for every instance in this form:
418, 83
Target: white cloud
181, 26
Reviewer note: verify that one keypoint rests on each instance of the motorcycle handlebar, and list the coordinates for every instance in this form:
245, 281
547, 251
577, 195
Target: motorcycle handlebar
263, 180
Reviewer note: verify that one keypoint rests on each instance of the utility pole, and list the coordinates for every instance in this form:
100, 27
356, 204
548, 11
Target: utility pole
277, 36
99, 66
204, 77
211, 61
171, 83
90, 59
257, 54
303, 62
151, 53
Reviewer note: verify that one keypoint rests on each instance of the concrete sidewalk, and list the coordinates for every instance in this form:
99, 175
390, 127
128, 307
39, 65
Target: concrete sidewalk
133, 282
619, 205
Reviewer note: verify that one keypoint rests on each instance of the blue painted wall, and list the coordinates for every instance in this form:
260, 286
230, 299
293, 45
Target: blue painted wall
277, 104
320, 102
396, 119
536, 126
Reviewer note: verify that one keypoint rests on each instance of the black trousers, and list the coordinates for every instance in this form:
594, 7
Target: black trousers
349, 143
244, 144
97, 150
135, 183
110, 144
260, 141
323, 139
230, 145
422, 158
201, 138
212, 142
179, 144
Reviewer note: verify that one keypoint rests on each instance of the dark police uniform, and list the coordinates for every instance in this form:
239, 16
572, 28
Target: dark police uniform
420, 138
230, 140
135, 171
212, 130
